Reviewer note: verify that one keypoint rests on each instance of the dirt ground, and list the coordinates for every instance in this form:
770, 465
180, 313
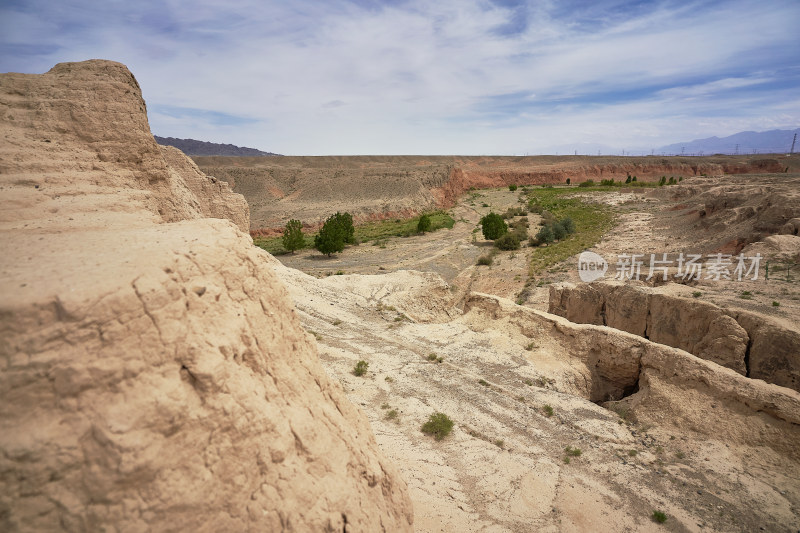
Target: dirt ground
505, 466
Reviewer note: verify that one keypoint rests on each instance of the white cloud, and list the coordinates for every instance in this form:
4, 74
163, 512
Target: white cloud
421, 77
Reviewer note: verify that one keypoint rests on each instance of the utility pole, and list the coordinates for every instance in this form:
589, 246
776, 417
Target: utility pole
793, 141
737, 150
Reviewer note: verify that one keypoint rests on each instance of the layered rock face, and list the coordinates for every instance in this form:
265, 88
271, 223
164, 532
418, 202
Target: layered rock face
748, 343
155, 376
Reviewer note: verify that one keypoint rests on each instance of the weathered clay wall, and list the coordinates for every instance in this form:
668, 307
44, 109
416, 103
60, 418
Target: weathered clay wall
154, 374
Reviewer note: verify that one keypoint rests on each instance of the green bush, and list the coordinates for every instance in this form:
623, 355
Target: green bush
493, 226
558, 231
293, 238
424, 224
360, 369
568, 225
587, 183
509, 241
568, 181
545, 235
438, 425
659, 517
512, 187
337, 231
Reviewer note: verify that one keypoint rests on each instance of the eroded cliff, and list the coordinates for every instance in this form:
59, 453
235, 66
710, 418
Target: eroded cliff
155, 376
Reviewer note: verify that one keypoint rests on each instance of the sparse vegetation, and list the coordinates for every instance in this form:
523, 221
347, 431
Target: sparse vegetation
509, 241
746, 295
697, 294
548, 411
392, 414
776, 304
500, 443
659, 517
438, 425
360, 369
512, 187
483, 382
572, 452
632, 453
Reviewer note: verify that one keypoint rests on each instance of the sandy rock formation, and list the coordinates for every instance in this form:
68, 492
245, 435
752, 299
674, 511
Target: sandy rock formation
748, 343
155, 376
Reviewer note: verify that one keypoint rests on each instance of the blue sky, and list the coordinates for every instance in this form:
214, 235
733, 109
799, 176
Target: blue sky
315, 77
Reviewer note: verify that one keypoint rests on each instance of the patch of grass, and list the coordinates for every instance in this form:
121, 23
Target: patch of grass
483, 382
566, 460
632, 453
548, 411
392, 414
360, 369
401, 227
389, 379
697, 294
746, 295
431, 357
776, 304
680, 455
659, 517
438, 425
385, 406
528, 382
500, 443
591, 222
530, 346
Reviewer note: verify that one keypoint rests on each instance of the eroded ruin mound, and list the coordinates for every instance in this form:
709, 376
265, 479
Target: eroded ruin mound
155, 376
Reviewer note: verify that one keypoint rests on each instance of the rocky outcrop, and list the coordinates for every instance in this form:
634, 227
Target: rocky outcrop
214, 197
155, 375
660, 384
748, 343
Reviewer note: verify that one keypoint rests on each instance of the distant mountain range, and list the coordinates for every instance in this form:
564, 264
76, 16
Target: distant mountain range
745, 142
194, 147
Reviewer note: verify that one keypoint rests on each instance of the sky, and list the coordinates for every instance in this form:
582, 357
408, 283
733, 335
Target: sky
467, 77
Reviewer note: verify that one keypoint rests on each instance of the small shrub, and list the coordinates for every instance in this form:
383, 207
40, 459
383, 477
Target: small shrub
572, 452
545, 235
528, 382
484, 204
337, 322
438, 425
385, 406
548, 411
392, 415
776, 304
558, 231
485, 260
432, 357
360, 369
483, 382
499, 443
509, 241
424, 224
512, 187
587, 183
566, 460
530, 346
697, 294
659, 517
632, 453
746, 295
389, 379
680, 455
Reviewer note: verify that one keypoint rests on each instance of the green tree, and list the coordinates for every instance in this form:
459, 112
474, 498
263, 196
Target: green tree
293, 238
331, 237
424, 224
345, 222
568, 181
493, 226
